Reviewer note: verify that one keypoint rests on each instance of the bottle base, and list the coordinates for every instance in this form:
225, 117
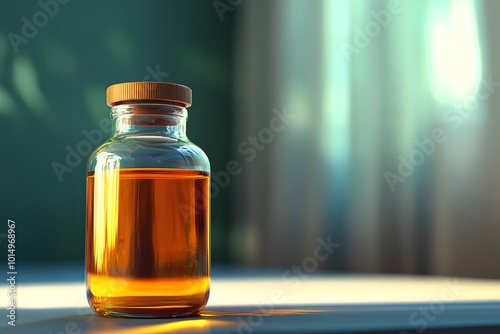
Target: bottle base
147, 312
147, 298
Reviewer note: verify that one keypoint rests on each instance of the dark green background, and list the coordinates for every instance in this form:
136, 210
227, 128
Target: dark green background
85, 47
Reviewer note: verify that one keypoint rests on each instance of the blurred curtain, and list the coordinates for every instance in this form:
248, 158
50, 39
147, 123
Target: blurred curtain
370, 84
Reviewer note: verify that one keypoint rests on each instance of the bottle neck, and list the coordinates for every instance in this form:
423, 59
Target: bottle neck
149, 119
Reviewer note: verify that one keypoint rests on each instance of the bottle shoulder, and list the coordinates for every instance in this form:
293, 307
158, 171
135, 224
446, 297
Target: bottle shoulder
150, 152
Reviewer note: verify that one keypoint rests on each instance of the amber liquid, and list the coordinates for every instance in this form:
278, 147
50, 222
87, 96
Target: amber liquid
147, 242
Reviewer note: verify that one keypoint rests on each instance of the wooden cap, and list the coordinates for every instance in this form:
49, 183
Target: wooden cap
154, 92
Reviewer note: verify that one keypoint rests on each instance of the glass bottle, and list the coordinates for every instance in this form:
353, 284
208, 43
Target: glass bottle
148, 210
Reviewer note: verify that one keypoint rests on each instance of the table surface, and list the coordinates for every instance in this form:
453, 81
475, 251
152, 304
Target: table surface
52, 301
